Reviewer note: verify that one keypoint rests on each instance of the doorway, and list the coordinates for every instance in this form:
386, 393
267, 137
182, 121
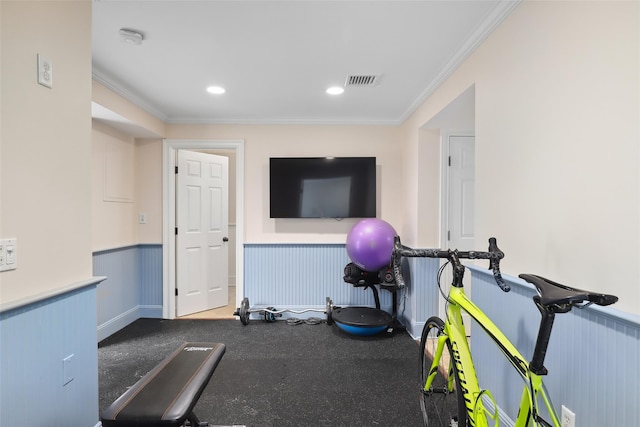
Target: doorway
458, 178
170, 152
454, 122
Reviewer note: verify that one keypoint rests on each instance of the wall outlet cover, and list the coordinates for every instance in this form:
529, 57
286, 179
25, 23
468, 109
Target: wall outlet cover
567, 417
45, 72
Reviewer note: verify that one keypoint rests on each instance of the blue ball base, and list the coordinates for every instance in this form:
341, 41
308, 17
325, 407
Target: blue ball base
362, 321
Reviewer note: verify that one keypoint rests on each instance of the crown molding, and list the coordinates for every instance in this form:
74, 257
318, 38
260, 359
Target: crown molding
285, 121
494, 18
119, 89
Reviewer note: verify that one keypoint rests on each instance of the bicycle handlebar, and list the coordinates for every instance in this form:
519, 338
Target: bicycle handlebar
494, 255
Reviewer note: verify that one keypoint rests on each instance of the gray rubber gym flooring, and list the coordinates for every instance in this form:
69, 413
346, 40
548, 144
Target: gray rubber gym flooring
274, 374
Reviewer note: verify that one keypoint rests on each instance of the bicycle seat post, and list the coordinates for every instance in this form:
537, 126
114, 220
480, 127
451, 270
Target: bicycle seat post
542, 342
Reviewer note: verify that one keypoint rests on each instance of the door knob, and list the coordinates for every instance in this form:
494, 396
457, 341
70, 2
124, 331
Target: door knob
225, 239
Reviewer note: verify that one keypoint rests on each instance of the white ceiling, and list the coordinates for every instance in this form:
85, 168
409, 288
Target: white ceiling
277, 58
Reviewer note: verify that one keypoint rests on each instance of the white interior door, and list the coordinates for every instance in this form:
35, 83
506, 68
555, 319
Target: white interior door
202, 194
461, 192
461, 204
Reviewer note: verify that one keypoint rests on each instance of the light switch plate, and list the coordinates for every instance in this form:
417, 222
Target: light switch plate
8, 254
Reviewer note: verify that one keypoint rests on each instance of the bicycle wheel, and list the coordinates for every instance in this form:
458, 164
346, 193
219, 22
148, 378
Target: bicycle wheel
442, 406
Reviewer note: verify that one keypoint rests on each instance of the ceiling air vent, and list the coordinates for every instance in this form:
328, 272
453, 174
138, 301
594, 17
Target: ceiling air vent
355, 80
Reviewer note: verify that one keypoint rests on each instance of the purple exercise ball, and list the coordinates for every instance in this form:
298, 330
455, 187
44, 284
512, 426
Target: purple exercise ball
370, 244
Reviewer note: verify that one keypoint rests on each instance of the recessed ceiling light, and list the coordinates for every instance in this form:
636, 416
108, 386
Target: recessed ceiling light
216, 90
335, 90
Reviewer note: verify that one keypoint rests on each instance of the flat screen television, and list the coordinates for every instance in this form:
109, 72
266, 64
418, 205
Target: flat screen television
322, 187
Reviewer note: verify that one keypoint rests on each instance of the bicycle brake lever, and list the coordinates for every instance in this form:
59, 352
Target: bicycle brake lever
395, 263
494, 264
498, 278
397, 274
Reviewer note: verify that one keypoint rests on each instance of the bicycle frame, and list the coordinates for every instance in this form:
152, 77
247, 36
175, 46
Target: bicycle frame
477, 414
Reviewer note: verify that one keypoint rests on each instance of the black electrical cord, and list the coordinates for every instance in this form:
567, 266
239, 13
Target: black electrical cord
292, 321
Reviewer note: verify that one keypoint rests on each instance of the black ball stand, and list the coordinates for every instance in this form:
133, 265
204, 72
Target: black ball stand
368, 320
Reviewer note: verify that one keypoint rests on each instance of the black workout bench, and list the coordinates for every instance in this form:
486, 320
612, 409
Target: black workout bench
167, 395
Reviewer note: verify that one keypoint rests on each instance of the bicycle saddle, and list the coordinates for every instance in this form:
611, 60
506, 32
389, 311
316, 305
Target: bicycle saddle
552, 293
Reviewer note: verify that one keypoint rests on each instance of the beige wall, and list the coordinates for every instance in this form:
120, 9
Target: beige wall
134, 135
262, 142
116, 221
114, 216
148, 178
427, 195
127, 181
45, 164
557, 142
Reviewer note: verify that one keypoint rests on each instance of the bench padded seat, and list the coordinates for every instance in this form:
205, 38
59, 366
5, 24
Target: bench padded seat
167, 395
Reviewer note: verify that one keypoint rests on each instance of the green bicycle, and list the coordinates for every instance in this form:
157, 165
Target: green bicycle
450, 394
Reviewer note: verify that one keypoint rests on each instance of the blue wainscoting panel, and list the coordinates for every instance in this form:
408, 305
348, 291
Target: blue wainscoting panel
150, 280
133, 288
34, 341
118, 295
301, 276
423, 292
592, 357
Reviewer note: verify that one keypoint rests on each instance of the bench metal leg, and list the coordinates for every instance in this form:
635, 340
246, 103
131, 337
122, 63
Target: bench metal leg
194, 421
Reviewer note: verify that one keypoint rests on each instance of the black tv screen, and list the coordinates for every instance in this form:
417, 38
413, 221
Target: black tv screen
322, 187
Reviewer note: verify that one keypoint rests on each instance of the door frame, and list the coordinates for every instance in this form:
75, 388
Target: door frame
169, 151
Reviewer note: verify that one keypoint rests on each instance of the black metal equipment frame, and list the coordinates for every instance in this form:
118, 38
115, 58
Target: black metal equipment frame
384, 278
